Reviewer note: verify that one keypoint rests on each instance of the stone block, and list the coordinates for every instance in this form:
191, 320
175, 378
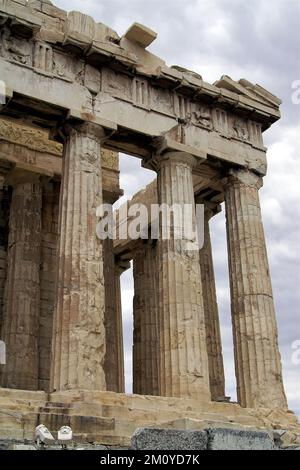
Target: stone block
52, 10
12, 444
285, 438
232, 439
165, 439
23, 447
91, 424
141, 35
79, 29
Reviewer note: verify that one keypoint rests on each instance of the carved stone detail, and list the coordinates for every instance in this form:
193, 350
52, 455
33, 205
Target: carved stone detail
182, 106
240, 130
15, 49
161, 101
220, 122
34, 139
255, 133
202, 117
140, 93
116, 84
43, 57
65, 67
110, 159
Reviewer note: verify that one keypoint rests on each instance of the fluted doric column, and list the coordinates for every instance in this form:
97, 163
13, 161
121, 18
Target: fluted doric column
257, 357
145, 338
2, 255
50, 237
183, 363
79, 342
22, 289
114, 360
211, 312
120, 268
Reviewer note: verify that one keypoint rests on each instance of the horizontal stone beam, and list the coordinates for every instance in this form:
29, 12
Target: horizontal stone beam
206, 183
96, 41
27, 147
132, 129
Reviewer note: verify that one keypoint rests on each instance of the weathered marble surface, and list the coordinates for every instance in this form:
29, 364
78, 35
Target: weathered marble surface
257, 357
89, 87
79, 336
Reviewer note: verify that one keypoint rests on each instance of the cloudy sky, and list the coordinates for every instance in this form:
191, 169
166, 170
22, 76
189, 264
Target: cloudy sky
260, 41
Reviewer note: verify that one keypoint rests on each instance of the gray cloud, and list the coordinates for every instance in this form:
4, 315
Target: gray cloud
258, 40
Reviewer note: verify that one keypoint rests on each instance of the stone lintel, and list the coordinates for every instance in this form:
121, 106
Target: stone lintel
166, 145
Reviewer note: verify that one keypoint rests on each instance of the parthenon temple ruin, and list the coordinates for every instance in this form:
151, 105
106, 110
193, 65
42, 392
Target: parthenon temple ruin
73, 94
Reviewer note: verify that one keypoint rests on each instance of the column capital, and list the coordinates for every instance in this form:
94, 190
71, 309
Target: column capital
244, 177
88, 129
174, 157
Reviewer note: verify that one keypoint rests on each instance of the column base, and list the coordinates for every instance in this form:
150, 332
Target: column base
111, 419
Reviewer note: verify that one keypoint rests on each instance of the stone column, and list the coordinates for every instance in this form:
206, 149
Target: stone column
119, 269
114, 360
3, 248
22, 288
145, 338
50, 237
211, 312
79, 339
183, 362
257, 357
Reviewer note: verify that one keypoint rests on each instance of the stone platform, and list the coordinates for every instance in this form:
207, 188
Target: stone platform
111, 419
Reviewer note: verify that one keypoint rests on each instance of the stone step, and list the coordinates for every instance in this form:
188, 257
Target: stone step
144, 415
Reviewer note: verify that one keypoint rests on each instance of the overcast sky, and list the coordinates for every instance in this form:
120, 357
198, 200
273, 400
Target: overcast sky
258, 40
